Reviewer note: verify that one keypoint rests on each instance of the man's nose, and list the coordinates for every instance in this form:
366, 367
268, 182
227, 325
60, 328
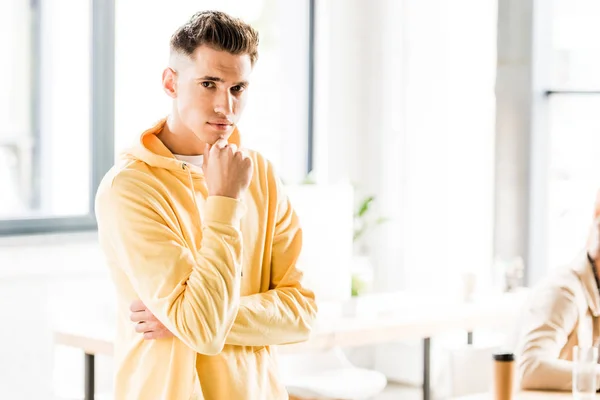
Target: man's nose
224, 103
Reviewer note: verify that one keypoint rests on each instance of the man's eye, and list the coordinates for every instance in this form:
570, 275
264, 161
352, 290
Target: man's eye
237, 88
207, 84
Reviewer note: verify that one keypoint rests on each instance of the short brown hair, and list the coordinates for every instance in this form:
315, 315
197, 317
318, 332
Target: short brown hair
217, 30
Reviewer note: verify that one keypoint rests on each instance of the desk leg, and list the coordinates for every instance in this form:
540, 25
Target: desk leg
427, 369
89, 377
470, 337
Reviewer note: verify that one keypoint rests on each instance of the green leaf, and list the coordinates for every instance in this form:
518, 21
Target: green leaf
381, 220
358, 286
359, 232
366, 204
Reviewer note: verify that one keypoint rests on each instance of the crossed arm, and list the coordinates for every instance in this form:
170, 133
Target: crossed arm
284, 314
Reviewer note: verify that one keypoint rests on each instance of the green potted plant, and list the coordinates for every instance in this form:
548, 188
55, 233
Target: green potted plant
364, 222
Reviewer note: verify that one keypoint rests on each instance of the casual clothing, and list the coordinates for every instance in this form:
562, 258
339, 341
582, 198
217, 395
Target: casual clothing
193, 160
183, 253
563, 312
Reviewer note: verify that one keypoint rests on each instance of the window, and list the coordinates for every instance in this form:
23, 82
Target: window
15, 108
78, 94
52, 112
275, 119
573, 127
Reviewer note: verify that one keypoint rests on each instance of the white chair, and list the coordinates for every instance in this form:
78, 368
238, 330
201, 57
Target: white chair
328, 375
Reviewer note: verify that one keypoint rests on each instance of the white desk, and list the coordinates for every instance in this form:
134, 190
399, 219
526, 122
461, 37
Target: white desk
412, 318
525, 395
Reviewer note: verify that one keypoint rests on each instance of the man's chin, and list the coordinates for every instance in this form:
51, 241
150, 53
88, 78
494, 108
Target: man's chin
211, 137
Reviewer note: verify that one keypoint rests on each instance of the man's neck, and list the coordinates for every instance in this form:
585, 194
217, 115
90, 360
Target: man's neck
180, 140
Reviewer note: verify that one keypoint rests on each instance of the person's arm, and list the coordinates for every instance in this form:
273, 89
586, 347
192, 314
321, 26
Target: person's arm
548, 323
284, 314
195, 295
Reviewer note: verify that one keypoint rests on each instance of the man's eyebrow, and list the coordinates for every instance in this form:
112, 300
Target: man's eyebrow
211, 78
220, 80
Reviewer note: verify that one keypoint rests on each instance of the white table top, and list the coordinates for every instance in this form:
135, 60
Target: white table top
391, 317
524, 395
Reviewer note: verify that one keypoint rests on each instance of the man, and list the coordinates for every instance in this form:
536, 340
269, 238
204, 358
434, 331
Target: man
564, 312
200, 239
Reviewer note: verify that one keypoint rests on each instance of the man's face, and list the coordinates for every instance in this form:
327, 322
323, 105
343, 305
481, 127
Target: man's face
210, 91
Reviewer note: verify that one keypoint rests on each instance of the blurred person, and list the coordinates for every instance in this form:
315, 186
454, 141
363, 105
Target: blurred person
200, 239
563, 312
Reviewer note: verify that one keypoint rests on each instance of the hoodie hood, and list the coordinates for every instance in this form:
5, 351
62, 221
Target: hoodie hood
153, 152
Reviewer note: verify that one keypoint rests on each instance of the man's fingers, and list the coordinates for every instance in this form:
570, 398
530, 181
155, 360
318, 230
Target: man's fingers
146, 323
247, 162
157, 334
149, 326
143, 327
137, 305
242, 154
220, 144
205, 154
139, 316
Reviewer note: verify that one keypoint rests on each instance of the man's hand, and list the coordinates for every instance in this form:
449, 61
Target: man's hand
227, 169
147, 323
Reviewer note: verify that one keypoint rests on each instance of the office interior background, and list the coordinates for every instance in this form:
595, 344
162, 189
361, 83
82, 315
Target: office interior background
472, 124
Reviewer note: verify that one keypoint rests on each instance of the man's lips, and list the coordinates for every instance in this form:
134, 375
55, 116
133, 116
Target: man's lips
221, 125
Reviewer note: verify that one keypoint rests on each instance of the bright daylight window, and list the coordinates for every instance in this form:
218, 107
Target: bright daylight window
45, 109
574, 127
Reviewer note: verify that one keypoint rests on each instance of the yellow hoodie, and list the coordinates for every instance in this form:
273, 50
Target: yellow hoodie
219, 273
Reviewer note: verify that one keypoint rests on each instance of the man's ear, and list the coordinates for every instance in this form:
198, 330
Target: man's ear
169, 82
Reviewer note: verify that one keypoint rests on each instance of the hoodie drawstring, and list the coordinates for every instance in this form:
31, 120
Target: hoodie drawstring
189, 174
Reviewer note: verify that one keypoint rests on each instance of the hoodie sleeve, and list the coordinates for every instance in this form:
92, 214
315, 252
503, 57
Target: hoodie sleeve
195, 295
285, 313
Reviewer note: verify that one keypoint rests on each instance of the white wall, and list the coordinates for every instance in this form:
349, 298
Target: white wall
44, 281
359, 104
405, 93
